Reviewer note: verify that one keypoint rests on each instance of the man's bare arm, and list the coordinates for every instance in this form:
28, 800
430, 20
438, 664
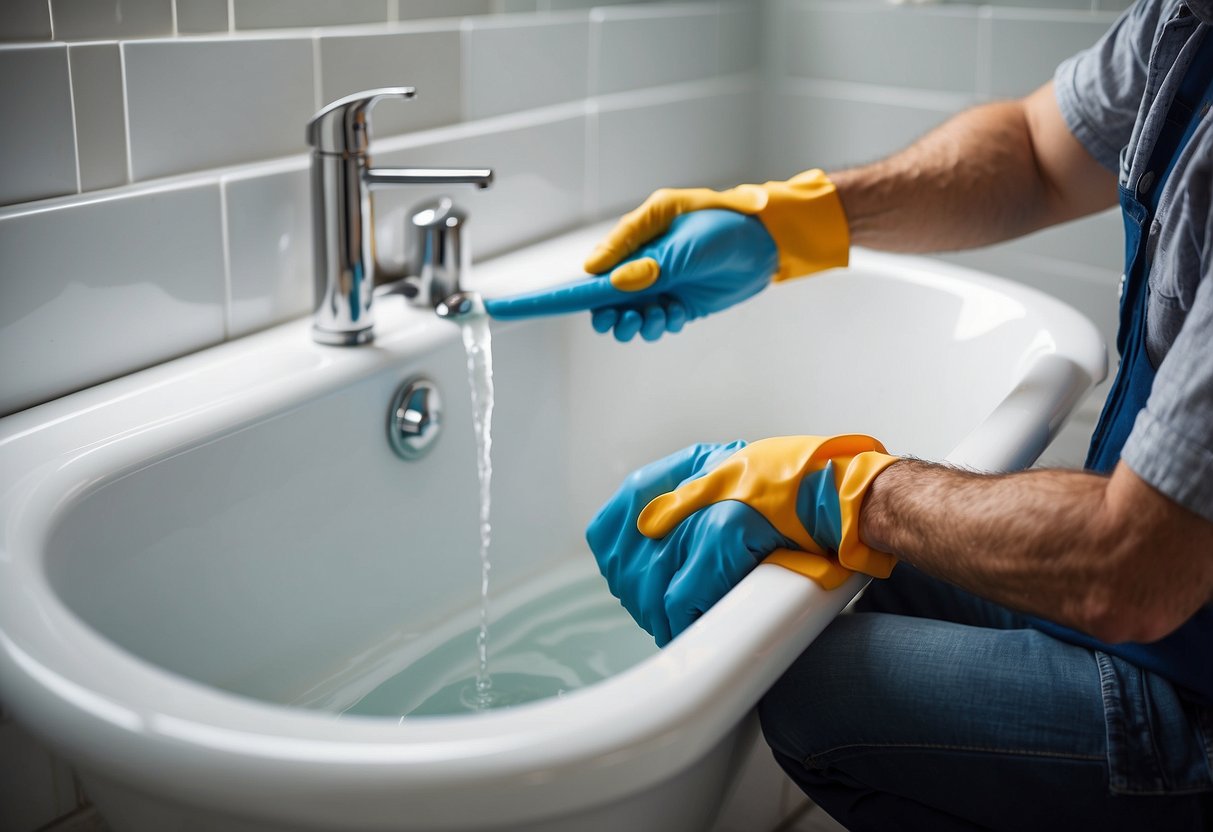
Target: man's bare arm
1108, 556
989, 174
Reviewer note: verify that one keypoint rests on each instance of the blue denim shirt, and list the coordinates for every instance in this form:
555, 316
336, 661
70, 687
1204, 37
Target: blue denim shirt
1114, 98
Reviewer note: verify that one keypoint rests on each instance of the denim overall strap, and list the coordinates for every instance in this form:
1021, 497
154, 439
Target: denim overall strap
1135, 377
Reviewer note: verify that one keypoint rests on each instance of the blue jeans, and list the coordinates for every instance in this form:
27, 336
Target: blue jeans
931, 709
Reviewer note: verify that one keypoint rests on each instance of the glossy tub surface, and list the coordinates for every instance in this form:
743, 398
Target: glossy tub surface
186, 550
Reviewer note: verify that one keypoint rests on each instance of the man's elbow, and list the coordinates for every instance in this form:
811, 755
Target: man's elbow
1136, 599
1114, 620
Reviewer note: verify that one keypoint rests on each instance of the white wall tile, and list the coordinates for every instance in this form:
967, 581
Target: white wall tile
35, 787
1025, 47
25, 20
537, 192
903, 46
100, 114
94, 20
199, 103
512, 64
740, 38
123, 282
426, 57
810, 130
415, 9
700, 141
639, 47
38, 149
269, 227
201, 16
273, 14
1097, 241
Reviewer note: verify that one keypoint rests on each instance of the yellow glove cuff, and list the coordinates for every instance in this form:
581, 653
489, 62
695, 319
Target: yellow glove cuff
804, 217
766, 475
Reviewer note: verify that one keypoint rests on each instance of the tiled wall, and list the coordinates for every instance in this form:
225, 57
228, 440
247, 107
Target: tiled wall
830, 104
156, 182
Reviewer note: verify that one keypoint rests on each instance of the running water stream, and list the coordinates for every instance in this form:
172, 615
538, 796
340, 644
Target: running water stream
478, 343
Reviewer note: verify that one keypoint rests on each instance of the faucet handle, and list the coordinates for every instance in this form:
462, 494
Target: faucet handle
437, 251
341, 127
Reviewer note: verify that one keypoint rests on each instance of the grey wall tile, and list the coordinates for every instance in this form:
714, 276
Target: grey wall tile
639, 47
1115, 5
1098, 242
93, 20
903, 46
512, 65
1026, 48
701, 141
427, 58
100, 116
273, 14
142, 281
537, 192
24, 20
201, 103
269, 232
39, 148
201, 16
740, 38
808, 130
416, 9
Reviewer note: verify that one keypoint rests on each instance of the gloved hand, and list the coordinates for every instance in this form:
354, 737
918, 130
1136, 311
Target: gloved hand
683, 531
687, 253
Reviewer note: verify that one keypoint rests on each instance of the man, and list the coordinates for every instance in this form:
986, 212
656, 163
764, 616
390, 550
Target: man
1042, 658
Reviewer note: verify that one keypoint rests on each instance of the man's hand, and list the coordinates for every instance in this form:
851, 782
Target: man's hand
1109, 556
681, 532
686, 253
708, 261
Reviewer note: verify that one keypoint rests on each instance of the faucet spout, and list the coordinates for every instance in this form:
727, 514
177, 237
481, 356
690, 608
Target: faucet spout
480, 177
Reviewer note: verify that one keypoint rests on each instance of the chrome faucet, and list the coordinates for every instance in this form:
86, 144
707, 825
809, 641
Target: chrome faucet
343, 223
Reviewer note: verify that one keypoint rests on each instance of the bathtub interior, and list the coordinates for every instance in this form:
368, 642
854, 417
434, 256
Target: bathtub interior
271, 557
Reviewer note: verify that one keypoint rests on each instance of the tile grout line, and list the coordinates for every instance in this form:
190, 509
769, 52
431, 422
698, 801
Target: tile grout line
71, 95
224, 237
126, 114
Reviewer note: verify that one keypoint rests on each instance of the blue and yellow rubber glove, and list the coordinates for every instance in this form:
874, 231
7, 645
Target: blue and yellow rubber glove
686, 253
682, 531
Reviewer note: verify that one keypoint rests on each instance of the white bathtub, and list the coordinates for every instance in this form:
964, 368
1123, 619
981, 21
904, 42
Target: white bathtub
187, 548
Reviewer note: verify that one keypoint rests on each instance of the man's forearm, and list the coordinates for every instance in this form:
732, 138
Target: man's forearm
1108, 556
989, 174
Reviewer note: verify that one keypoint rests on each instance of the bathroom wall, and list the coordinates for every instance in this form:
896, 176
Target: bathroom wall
850, 81
156, 180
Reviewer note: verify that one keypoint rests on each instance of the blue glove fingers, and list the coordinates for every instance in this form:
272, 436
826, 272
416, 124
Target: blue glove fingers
638, 570
576, 296
604, 319
675, 314
723, 542
654, 322
630, 322
818, 508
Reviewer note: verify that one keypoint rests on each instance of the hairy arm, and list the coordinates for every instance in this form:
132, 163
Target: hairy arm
1108, 556
989, 174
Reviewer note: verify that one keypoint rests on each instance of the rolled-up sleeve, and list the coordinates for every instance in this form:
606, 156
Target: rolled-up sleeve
1171, 446
1099, 90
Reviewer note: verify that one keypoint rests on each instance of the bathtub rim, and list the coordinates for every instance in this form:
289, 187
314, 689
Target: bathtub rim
74, 687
